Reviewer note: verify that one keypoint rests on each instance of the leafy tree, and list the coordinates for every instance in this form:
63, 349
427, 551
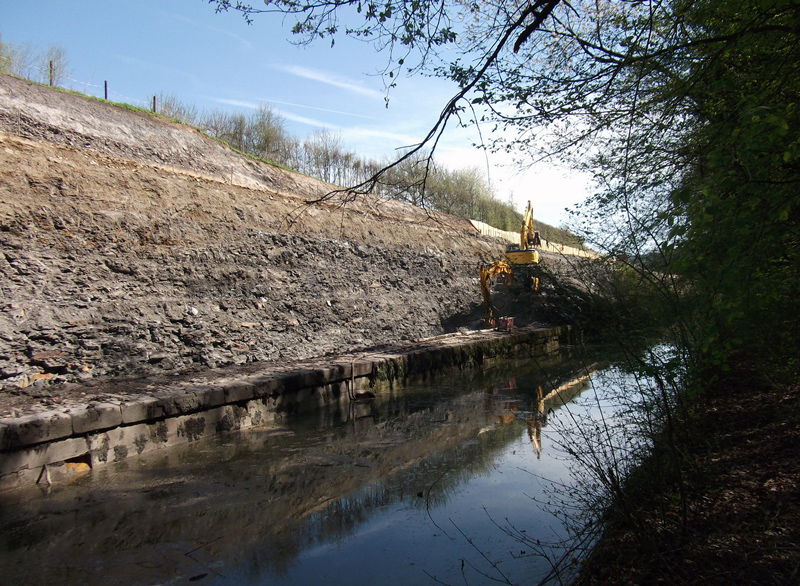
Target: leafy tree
266, 136
736, 214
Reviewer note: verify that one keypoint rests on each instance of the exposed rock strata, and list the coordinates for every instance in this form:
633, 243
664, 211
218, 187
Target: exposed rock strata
132, 245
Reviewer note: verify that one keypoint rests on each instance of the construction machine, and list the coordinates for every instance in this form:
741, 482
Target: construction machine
517, 270
525, 252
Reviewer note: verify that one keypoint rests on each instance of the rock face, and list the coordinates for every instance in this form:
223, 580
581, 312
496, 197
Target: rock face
132, 245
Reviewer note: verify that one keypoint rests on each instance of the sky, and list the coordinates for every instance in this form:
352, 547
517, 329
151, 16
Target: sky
218, 61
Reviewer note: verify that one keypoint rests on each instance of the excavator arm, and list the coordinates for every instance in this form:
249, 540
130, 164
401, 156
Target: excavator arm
488, 272
528, 237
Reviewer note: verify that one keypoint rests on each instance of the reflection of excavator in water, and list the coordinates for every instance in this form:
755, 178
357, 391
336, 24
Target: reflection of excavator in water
516, 270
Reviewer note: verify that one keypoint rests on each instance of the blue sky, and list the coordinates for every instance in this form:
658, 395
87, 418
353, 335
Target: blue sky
182, 47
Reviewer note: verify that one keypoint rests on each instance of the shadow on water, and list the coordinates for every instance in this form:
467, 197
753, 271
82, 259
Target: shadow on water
404, 489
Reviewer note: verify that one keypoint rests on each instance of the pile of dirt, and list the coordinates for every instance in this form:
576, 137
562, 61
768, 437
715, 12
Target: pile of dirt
133, 245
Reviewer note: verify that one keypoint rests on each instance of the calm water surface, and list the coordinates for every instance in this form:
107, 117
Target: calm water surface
424, 485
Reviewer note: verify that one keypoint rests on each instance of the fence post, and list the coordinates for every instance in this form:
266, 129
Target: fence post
105, 87
154, 103
51, 73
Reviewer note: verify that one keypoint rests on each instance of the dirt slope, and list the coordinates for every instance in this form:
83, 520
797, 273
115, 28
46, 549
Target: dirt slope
133, 245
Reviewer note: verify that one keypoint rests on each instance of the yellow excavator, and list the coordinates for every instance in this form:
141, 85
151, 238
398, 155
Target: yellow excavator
517, 268
525, 253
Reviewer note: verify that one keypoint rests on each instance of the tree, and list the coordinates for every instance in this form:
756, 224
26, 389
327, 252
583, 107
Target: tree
54, 65
25, 60
5, 57
323, 153
170, 106
266, 135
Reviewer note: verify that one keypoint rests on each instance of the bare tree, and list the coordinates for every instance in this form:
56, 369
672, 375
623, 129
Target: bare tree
170, 106
266, 136
54, 66
323, 151
25, 61
5, 56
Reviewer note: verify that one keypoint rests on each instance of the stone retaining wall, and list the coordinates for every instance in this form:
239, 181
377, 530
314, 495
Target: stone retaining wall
43, 447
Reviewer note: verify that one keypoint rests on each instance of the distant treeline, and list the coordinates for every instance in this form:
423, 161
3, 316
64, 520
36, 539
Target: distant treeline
262, 133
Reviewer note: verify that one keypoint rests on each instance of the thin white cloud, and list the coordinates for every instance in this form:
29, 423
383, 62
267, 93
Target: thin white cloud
309, 121
284, 113
157, 67
237, 103
322, 109
244, 43
289, 115
330, 79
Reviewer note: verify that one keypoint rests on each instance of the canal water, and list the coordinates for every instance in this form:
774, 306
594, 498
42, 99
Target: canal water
449, 480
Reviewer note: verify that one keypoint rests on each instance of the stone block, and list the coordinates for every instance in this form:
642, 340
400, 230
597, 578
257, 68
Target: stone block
213, 418
59, 451
362, 368
99, 449
96, 417
33, 429
15, 461
9, 481
193, 427
302, 379
135, 438
29, 476
233, 418
144, 409
260, 413
37, 456
119, 443
157, 434
333, 373
209, 397
264, 385
172, 437
237, 391
178, 403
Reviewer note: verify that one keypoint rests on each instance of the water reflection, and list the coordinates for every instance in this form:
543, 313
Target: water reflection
381, 491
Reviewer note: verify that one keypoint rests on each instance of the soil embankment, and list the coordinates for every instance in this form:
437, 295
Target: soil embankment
134, 246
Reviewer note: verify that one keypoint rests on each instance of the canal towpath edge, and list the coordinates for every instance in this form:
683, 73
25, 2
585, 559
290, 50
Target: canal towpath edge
110, 421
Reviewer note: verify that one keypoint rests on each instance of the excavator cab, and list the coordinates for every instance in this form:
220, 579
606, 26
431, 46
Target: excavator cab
525, 252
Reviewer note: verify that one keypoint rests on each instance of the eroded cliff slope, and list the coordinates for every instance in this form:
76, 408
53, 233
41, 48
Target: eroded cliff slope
133, 245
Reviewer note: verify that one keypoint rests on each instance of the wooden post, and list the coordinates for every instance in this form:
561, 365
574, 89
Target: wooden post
51, 73
154, 103
105, 86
